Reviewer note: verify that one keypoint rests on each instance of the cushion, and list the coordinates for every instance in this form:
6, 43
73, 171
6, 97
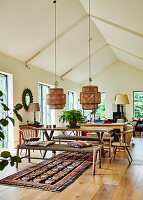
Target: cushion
79, 144
41, 143
31, 138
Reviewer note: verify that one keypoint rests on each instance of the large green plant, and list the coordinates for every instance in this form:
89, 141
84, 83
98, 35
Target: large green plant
6, 157
71, 116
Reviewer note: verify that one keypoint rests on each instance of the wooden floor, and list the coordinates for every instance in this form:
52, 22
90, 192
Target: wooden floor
116, 181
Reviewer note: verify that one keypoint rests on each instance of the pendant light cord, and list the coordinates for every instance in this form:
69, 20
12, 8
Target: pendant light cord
56, 83
89, 47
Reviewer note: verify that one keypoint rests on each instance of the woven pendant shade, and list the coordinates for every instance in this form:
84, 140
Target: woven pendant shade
56, 99
90, 98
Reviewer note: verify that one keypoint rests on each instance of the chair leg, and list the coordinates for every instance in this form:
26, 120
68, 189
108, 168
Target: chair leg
129, 154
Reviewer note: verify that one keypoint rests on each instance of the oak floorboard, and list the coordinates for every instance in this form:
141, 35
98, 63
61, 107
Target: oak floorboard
116, 180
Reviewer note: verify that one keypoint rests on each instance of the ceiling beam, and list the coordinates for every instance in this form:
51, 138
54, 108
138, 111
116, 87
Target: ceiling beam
118, 26
125, 51
58, 37
81, 62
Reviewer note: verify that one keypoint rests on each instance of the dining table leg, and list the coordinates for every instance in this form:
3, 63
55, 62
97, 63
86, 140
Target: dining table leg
48, 137
100, 138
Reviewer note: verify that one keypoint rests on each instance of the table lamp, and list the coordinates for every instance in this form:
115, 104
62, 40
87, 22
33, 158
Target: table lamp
34, 107
122, 99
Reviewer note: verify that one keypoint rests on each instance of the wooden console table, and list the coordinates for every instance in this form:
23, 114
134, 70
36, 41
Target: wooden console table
120, 126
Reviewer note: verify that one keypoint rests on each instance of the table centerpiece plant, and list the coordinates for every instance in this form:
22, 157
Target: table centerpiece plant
72, 117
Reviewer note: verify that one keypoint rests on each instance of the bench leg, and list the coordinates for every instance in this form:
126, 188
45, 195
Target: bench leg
100, 158
115, 149
44, 153
94, 161
53, 153
28, 155
18, 156
110, 148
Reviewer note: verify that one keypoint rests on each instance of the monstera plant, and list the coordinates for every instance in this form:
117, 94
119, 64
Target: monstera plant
5, 156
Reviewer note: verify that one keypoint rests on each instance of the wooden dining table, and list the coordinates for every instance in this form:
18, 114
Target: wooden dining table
49, 132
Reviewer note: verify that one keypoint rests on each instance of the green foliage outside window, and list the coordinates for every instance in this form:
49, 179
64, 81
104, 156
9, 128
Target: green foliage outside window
100, 112
138, 104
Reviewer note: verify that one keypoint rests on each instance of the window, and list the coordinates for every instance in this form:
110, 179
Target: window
3, 88
100, 112
45, 113
70, 100
138, 104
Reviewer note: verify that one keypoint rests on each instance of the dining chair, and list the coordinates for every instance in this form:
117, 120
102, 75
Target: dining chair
124, 143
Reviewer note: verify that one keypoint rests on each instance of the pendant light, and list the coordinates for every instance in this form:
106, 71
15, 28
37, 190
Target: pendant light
56, 99
90, 97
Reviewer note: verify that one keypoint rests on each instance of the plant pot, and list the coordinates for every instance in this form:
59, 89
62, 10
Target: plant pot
72, 124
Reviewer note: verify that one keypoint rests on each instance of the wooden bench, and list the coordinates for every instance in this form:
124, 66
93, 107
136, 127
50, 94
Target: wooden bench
61, 147
62, 138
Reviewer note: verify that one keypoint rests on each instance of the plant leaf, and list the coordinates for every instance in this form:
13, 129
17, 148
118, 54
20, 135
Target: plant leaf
4, 122
12, 120
16, 159
19, 117
1, 135
1, 93
5, 154
3, 164
12, 163
5, 107
18, 106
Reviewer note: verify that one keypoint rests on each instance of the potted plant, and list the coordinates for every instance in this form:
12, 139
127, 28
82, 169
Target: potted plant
71, 116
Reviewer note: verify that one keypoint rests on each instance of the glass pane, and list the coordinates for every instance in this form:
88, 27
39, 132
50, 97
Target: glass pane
70, 100
138, 104
45, 113
3, 88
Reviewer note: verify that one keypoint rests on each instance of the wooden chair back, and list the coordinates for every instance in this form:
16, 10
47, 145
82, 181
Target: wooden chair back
27, 131
128, 134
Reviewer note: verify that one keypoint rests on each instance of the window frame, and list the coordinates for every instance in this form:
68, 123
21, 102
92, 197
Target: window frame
69, 91
134, 101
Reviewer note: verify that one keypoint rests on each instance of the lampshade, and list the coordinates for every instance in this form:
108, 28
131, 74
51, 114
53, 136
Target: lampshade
90, 97
33, 107
56, 99
122, 99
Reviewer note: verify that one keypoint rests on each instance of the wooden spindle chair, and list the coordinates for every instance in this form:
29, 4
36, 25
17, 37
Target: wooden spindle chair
124, 143
28, 134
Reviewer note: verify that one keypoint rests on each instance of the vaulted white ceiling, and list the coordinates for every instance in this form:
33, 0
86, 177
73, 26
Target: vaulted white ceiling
27, 33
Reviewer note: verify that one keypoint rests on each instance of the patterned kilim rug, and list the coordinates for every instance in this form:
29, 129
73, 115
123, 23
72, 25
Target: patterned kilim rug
54, 174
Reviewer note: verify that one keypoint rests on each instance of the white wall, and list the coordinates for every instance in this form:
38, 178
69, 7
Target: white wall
28, 78
119, 78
